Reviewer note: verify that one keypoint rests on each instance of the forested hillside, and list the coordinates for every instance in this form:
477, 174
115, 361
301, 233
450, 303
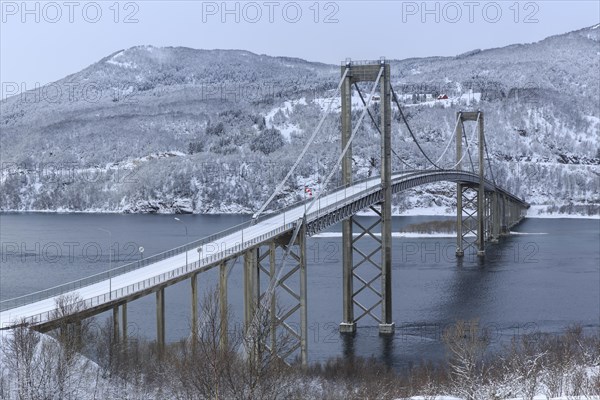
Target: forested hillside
182, 130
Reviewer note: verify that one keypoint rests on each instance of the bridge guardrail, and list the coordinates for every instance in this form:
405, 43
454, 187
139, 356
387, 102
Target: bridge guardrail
190, 267
123, 269
70, 286
161, 278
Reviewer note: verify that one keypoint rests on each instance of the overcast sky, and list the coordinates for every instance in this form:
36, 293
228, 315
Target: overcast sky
45, 41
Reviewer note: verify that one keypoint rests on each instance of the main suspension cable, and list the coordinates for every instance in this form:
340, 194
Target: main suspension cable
489, 160
410, 130
377, 126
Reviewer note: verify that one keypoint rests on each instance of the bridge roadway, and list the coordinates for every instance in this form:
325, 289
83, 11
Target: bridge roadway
104, 291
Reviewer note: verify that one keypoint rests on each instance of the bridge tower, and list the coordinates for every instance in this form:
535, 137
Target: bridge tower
475, 209
368, 72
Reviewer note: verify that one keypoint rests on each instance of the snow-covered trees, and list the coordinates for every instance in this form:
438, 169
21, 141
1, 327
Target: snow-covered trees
216, 106
267, 141
467, 344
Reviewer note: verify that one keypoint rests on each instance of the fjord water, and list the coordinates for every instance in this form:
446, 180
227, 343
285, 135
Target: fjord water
543, 278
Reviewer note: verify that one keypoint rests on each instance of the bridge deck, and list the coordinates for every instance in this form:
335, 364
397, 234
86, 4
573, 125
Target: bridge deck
104, 294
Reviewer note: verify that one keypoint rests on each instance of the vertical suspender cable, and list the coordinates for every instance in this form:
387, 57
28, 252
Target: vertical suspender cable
339, 161
468, 148
312, 138
472, 138
449, 142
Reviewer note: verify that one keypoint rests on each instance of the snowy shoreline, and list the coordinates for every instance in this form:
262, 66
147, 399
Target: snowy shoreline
536, 211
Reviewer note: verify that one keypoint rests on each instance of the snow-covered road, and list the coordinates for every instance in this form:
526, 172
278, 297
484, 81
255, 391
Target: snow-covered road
129, 283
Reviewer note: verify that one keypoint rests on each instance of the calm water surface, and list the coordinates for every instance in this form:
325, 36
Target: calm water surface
543, 279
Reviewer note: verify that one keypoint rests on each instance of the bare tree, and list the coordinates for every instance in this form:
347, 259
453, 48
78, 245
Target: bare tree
19, 355
525, 360
216, 364
263, 371
202, 362
71, 367
466, 345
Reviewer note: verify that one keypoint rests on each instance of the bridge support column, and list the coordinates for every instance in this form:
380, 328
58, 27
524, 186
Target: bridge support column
303, 299
160, 321
514, 214
194, 301
504, 206
481, 206
120, 324
386, 326
124, 323
273, 302
115, 318
223, 306
488, 222
347, 325
78, 334
460, 251
251, 283
251, 297
495, 235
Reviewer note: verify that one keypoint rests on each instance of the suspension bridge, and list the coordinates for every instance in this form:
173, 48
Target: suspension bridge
273, 246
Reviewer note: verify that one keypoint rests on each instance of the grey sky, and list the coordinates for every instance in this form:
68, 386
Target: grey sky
43, 51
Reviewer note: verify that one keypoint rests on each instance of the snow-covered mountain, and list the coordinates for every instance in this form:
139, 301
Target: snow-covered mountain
182, 130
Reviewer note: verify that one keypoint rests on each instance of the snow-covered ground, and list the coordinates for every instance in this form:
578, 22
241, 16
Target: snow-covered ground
535, 211
78, 377
284, 127
537, 397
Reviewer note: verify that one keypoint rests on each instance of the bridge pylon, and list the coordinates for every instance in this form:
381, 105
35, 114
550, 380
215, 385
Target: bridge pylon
481, 215
377, 281
473, 206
